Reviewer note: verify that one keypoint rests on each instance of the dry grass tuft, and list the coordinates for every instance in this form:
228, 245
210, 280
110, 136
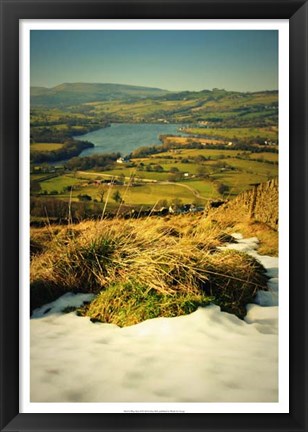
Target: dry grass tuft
150, 267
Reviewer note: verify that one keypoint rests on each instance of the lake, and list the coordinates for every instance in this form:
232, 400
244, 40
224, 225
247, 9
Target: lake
126, 137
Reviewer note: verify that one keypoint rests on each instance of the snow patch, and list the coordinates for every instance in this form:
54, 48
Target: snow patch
207, 356
59, 305
249, 245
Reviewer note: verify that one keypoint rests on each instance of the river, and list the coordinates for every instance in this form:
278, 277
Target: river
126, 137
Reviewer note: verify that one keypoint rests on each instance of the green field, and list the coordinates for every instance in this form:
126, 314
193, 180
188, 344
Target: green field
150, 194
271, 157
212, 154
58, 183
45, 146
146, 194
242, 134
207, 153
236, 169
206, 189
239, 182
201, 182
253, 167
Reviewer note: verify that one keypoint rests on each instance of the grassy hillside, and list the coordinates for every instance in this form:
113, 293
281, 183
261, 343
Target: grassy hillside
240, 134
75, 93
210, 107
71, 109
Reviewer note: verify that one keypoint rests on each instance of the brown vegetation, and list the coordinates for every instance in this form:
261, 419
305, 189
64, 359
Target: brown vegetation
173, 262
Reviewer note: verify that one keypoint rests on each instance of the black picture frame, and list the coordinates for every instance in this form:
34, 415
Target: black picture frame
11, 12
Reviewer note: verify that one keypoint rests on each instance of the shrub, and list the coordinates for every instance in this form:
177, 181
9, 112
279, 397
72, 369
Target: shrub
116, 196
222, 188
84, 197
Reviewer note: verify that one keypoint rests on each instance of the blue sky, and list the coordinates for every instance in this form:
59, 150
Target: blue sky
241, 60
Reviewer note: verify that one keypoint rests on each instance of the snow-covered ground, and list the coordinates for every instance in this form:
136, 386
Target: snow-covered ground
207, 356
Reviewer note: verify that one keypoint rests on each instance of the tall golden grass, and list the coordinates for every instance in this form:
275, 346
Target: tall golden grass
142, 268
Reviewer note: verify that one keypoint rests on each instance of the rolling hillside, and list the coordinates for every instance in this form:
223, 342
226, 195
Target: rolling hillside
76, 93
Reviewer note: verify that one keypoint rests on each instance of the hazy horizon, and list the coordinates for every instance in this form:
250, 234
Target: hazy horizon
174, 60
149, 86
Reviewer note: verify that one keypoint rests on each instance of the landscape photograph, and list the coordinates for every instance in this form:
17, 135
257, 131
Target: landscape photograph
154, 215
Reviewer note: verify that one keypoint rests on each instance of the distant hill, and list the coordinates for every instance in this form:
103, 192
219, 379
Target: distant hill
76, 93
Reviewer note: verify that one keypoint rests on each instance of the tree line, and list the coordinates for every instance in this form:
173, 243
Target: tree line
93, 161
146, 151
69, 149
